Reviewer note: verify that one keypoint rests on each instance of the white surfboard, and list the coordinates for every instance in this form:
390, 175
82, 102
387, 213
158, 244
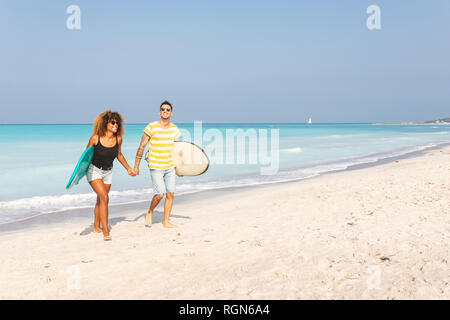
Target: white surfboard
190, 159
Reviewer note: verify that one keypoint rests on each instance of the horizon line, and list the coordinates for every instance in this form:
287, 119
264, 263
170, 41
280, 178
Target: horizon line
133, 123
182, 123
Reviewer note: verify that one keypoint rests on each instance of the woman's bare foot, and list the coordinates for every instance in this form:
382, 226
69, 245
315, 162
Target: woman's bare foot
106, 235
148, 219
97, 230
169, 225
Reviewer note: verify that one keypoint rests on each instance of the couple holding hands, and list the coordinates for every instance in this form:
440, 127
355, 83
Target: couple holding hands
107, 141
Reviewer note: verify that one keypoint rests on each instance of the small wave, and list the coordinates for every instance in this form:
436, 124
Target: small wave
25, 208
337, 136
436, 132
292, 150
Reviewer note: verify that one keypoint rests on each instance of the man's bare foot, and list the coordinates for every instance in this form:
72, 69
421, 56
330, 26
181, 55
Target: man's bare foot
169, 225
148, 219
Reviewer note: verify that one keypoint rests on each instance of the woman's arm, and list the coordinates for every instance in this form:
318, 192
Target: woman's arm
92, 141
121, 158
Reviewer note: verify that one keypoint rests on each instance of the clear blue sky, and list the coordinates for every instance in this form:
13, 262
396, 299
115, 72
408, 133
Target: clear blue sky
225, 61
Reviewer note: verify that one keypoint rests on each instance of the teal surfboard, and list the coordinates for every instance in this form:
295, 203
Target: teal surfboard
81, 168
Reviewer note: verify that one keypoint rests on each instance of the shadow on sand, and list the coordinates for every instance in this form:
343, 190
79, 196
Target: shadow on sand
157, 218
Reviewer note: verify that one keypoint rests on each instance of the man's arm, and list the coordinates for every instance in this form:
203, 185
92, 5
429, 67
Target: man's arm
177, 136
140, 152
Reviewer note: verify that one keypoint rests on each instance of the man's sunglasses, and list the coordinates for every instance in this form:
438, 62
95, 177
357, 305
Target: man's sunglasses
165, 109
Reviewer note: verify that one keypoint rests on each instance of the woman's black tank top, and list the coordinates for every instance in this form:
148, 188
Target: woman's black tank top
103, 156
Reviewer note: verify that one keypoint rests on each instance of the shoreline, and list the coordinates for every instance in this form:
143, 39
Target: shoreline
73, 216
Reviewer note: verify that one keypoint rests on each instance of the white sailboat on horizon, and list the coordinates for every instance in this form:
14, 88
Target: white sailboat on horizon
309, 121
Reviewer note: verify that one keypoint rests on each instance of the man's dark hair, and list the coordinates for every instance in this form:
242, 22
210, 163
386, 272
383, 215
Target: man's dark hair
168, 103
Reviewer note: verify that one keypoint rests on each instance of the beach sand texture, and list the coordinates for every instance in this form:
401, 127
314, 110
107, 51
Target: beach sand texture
375, 233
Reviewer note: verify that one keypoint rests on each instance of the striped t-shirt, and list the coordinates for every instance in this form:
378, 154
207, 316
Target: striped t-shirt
160, 145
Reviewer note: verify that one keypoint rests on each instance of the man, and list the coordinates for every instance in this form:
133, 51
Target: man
160, 136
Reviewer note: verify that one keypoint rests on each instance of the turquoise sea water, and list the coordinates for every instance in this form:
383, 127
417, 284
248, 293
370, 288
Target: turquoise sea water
37, 160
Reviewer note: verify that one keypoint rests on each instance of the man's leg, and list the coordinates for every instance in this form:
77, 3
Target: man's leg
159, 190
169, 181
155, 200
167, 209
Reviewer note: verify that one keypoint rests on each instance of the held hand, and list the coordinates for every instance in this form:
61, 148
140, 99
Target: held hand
131, 172
136, 171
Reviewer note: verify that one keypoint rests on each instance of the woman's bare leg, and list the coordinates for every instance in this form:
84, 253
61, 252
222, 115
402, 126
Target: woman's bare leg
107, 187
97, 228
102, 195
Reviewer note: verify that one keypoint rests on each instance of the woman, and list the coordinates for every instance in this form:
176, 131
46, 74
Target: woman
107, 141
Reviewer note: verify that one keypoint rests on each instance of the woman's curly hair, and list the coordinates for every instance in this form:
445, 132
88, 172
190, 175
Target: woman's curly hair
101, 123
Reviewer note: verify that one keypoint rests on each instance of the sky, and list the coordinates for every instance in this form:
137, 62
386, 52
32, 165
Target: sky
225, 61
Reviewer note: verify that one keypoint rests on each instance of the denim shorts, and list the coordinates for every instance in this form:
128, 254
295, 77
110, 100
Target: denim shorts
94, 173
163, 180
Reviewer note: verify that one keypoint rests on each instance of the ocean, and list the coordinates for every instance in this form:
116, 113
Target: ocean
36, 160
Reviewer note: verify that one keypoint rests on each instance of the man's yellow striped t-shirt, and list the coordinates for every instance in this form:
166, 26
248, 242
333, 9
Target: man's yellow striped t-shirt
160, 145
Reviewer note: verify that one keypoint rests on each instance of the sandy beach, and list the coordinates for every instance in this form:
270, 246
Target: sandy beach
374, 233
